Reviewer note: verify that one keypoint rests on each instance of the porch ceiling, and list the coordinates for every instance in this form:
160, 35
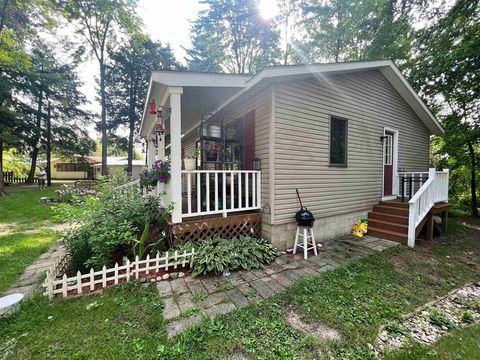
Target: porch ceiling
202, 93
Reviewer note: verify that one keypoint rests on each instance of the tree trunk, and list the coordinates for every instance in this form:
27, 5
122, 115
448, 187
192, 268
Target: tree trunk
103, 124
473, 180
36, 139
2, 182
130, 145
131, 126
3, 15
49, 145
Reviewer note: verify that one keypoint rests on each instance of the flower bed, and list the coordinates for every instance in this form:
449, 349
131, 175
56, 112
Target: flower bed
433, 320
58, 284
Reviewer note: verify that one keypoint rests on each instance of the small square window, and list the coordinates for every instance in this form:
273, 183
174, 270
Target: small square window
338, 141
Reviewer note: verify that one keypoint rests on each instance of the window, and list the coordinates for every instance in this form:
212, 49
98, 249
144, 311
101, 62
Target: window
388, 150
338, 141
74, 167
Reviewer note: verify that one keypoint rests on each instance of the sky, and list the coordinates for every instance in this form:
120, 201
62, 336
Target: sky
168, 21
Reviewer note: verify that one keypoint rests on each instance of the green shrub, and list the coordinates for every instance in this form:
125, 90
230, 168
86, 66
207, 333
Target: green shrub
466, 316
218, 255
437, 317
113, 222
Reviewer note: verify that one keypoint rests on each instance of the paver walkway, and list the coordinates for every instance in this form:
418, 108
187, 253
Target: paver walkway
188, 300
35, 273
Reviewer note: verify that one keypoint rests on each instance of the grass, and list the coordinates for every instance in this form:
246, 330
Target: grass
23, 209
126, 323
463, 343
24, 231
19, 250
123, 323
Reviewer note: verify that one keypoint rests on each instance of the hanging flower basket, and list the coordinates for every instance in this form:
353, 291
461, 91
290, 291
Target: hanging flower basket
159, 173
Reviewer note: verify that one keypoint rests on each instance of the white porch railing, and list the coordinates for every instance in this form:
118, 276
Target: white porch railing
434, 190
208, 192
419, 178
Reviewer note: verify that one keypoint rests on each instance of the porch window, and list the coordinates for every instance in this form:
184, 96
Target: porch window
338, 141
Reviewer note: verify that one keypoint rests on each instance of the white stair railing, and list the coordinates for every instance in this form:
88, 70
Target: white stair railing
434, 190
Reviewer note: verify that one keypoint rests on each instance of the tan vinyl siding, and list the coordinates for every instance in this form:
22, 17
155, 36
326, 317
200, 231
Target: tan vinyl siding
189, 142
302, 111
261, 104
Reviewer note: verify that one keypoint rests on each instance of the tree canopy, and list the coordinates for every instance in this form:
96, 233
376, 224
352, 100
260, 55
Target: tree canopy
231, 36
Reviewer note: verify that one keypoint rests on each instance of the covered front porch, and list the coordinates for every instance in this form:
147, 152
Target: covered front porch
213, 167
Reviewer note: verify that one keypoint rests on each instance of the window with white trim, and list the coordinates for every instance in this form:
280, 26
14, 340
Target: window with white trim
388, 150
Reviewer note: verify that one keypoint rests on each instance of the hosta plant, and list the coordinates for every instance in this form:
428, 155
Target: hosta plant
219, 255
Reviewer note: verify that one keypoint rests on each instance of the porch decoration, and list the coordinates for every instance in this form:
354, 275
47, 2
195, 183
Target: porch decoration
212, 151
160, 172
160, 124
191, 161
153, 107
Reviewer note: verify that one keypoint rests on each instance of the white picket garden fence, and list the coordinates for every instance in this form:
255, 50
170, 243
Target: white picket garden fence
76, 285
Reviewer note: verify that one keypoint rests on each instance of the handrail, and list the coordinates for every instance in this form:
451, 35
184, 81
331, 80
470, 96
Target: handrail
129, 184
209, 192
435, 189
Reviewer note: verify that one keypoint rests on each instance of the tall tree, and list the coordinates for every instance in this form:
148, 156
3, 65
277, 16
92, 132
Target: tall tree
100, 23
50, 99
127, 81
344, 30
447, 73
231, 36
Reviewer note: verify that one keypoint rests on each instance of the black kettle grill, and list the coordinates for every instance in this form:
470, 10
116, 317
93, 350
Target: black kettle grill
304, 217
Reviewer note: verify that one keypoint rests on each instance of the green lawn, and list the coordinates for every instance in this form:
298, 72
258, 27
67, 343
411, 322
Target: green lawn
25, 231
126, 323
461, 344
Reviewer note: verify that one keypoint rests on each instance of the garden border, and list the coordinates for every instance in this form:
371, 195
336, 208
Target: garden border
97, 280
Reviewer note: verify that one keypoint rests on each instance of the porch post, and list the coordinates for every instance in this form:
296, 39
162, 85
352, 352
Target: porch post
160, 156
150, 152
175, 186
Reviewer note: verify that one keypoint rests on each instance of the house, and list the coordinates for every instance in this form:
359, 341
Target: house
352, 137
72, 168
89, 167
118, 164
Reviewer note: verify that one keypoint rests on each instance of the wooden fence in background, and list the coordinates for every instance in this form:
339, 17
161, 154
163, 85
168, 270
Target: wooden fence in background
10, 178
65, 286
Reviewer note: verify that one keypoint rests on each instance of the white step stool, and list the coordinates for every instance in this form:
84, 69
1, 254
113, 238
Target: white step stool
306, 243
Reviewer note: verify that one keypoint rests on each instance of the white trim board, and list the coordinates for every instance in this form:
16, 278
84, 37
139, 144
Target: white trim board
394, 164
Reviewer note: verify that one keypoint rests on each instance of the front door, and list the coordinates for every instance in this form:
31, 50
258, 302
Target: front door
388, 144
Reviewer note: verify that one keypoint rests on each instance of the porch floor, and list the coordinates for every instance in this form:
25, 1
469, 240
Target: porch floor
226, 293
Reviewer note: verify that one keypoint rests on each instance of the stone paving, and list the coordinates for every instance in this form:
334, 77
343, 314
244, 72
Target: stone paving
188, 300
35, 273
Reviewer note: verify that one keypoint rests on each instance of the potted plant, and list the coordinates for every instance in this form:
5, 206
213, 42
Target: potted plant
191, 161
212, 151
160, 172
230, 132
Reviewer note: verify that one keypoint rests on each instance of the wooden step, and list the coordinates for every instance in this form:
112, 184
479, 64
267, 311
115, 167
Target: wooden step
394, 204
398, 219
387, 225
392, 210
387, 234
